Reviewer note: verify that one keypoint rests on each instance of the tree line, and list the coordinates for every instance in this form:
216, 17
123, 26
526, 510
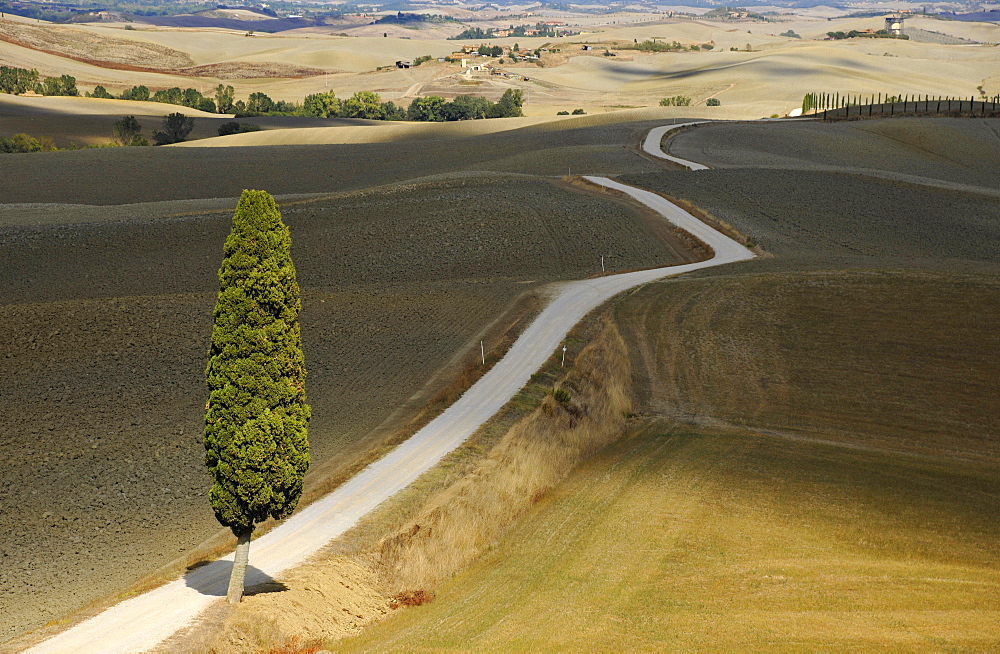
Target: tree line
21, 80
930, 103
363, 104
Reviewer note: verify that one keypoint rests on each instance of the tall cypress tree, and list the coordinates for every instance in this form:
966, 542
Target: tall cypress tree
256, 417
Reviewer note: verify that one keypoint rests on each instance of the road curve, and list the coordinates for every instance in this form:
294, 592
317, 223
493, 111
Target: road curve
651, 145
141, 623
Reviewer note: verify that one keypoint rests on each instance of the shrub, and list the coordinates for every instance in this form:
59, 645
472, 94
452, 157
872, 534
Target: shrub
713, 102
676, 101
138, 93
128, 131
20, 143
578, 112
100, 92
561, 396
233, 127
176, 127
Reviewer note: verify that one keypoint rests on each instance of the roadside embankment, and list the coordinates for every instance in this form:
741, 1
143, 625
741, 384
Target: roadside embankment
407, 548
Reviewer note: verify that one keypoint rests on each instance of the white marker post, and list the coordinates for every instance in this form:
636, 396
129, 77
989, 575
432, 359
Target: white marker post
482, 352
602, 263
563, 364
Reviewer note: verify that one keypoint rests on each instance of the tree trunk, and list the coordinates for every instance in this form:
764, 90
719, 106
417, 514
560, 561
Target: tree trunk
241, 559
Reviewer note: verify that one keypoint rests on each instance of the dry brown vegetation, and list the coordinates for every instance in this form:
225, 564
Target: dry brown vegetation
455, 514
686, 539
87, 47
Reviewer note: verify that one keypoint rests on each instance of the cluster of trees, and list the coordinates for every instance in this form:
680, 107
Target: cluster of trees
366, 104
490, 51
22, 80
663, 46
408, 19
127, 131
233, 127
576, 112
853, 34
676, 101
790, 34
540, 29
824, 101
222, 102
25, 143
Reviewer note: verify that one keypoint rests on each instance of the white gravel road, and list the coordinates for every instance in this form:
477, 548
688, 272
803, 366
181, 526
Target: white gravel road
141, 623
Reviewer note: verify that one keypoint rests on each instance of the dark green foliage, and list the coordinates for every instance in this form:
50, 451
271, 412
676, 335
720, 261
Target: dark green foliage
562, 113
578, 112
186, 98
472, 33
422, 59
224, 96
676, 101
176, 127
401, 18
138, 93
713, 102
233, 127
321, 105
62, 85
20, 143
509, 104
363, 104
428, 109
467, 107
655, 46
256, 421
259, 103
541, 29
128, 131
100, 92
17, 80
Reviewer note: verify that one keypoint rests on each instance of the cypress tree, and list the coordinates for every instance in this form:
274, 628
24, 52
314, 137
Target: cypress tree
256, 416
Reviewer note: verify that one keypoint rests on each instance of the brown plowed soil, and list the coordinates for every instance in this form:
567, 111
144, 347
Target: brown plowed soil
106, 326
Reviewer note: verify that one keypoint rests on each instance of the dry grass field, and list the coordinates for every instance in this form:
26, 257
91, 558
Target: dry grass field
767, 74
106, 323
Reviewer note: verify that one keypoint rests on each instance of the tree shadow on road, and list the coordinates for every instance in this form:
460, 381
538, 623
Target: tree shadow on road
212, 578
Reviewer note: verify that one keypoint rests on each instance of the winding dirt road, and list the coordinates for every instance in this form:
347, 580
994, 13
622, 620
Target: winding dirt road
141, 623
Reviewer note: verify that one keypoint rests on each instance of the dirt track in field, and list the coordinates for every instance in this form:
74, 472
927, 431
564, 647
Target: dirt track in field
106, 326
